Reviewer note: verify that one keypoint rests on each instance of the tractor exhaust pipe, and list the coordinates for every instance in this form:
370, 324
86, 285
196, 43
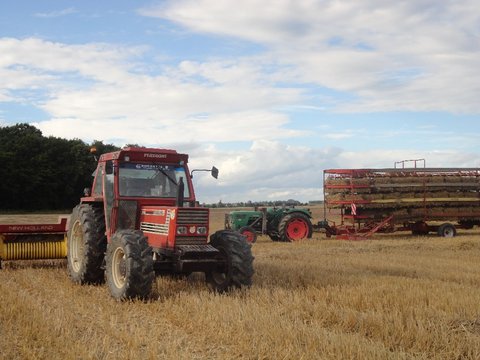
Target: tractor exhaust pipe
180, 192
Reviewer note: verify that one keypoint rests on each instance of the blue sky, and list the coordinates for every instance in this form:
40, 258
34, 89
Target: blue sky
270, 92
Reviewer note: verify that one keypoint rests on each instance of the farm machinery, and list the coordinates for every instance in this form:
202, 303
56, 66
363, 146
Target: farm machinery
33, 241
420, 200
281, 224
139, 219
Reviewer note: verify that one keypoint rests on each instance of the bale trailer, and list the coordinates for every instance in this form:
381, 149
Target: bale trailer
420, 200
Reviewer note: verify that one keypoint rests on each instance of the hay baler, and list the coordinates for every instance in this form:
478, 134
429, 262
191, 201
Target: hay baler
141, 219
33, 241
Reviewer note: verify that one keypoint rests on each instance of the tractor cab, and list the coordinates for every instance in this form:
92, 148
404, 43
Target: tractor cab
133, 179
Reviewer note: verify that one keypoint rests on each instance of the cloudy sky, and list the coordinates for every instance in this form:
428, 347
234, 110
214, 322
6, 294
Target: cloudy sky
271, 92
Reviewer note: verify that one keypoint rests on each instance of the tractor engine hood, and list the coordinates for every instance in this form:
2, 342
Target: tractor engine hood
167, 227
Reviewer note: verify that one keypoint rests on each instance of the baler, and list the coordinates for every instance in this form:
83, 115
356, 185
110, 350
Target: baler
33, 241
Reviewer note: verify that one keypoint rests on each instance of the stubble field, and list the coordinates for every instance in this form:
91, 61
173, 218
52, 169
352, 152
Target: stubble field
394, 297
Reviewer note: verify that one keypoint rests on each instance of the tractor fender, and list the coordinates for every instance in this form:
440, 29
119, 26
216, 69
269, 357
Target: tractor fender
301, 211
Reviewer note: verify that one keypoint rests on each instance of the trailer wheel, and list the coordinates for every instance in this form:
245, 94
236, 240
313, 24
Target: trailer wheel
129, 265
237, 262
249, 233
294, 227
86, 244
447, 230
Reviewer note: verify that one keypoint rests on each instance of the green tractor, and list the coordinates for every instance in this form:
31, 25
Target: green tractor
281, 224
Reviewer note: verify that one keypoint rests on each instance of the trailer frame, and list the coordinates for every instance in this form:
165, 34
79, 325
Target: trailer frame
355, 224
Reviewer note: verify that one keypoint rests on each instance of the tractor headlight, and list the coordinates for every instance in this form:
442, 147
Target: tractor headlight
181, 230
201, 230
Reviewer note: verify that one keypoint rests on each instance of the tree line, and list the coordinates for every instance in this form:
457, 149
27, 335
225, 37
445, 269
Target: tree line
255, 204
44, 172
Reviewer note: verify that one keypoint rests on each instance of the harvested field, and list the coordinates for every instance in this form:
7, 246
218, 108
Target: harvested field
394, 297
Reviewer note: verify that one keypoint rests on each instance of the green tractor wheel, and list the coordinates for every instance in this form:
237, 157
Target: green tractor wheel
295, 226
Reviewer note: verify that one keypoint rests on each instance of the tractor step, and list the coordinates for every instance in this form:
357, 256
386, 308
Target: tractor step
188, 250
191, 258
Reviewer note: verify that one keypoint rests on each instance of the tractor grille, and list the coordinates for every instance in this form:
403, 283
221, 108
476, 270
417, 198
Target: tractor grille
197, 216
187, 240
152, 228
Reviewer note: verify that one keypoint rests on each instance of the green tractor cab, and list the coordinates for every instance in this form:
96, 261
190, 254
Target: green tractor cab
281, 224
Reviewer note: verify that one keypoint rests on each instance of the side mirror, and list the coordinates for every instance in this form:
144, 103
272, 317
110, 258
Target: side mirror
213, 171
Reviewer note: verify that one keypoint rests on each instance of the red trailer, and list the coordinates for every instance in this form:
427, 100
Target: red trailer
420, 200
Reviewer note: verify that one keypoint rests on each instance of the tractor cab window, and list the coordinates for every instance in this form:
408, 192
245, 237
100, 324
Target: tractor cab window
98, 189
151, 180
108, 186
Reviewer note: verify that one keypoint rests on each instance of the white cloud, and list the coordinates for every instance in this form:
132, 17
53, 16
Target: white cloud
390, 55
339, 136
241, 126
94, 91
56, 13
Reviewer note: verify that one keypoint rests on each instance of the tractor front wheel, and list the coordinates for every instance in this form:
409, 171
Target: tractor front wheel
86, 243
249, 233
129, 265
235, 268
294, 227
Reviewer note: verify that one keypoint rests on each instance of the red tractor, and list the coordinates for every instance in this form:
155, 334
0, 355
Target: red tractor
141, 219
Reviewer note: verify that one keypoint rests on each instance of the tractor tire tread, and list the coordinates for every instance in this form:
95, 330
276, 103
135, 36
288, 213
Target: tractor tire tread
93, 227
282, 226
240, 260
140, 273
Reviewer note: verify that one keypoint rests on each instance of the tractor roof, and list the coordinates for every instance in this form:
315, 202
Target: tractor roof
145, 155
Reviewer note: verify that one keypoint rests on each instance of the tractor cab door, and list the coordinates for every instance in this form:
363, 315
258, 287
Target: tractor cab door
108, 195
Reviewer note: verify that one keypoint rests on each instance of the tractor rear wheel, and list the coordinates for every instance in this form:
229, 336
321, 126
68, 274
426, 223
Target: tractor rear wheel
249, 233
294, 227
130, 271
237, 257
86, 244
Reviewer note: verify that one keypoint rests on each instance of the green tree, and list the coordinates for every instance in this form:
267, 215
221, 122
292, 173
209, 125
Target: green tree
47, 173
